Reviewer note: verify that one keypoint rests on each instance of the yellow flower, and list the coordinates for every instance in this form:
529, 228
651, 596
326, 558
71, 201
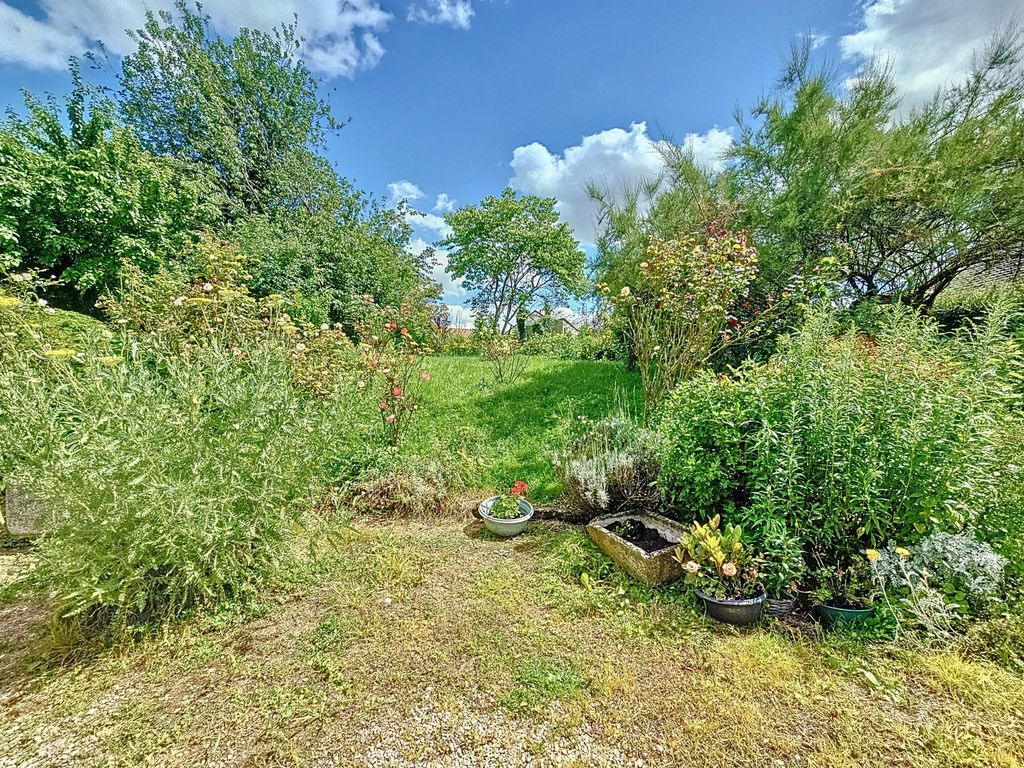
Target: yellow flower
902, 551
8, 301
872, 554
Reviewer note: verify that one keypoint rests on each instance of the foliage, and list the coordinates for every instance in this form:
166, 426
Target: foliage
679, 313
609, 466
149, 531
510, 251
392, 366
588, 344
506, 506
845, 585
717, 562
863, 440
246, 108
86, 201
783, 566
504, 354
323, 258
941, 580
903, 201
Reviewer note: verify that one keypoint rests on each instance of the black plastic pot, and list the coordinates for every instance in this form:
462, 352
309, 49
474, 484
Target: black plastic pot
779, 608
737, 612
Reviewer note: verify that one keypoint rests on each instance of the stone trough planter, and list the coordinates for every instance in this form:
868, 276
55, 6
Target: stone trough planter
645, 560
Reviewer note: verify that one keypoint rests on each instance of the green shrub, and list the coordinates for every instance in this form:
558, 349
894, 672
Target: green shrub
851, 440
179, 479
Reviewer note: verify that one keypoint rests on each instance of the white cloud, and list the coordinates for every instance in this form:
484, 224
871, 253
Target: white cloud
444, 203
613, 159
340, 36
403, 190
457, 13
430, 221
928, 43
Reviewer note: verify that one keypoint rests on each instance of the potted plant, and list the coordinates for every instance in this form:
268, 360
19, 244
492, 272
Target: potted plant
782, 569
725, 575
845, 594
507, 513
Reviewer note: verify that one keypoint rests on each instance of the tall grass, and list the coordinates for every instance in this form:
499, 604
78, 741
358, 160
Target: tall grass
179, 480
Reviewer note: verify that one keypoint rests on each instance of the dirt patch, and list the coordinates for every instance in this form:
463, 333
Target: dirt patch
640, 535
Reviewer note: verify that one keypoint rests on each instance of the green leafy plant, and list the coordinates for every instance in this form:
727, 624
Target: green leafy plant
504, 353
783, 565
850, 585
717, 562
506, 506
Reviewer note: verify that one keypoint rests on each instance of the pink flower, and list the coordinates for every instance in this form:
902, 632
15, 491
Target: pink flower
397, 392
390, 326
691, 566
383, 405
425, 376
373, 362
519, 487
390, 418
404, 331
729, 569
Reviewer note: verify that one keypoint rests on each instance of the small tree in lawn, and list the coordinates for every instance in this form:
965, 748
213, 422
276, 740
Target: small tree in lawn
512, 251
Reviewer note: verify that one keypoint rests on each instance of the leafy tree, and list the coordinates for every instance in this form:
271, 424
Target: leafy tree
904, 204
83, 201
512, 251
247, 107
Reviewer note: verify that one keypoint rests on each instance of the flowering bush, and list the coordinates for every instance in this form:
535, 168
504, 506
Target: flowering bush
392, 366
506, 506
717, 563
680, 313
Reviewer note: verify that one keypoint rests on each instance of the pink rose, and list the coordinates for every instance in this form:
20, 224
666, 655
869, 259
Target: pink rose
383, 405
397, 392
425, 376
389, 418
692, 566
729, 569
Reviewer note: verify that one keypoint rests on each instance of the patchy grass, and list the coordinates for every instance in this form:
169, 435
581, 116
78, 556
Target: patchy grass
488, 435
433, 645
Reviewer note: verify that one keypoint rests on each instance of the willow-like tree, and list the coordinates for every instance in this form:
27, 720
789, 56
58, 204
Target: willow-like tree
512, 252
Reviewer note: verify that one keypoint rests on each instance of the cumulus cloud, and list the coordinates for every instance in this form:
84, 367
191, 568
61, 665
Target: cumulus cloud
456, 13
613, 159
928, 43
403, 190
430, 221
444, 203
340, 36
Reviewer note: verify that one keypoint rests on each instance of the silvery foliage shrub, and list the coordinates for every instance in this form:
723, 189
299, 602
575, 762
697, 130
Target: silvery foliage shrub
941, 580
608, 468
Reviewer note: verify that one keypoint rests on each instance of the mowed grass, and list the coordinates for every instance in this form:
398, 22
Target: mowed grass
490, 434
435, 645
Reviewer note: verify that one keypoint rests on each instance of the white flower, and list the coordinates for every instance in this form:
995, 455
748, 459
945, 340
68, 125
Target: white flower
625, 291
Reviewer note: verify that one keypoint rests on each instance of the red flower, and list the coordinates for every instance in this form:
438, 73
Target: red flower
390, 326
383, 405
397, 392
404, 331
519, 487
373, 363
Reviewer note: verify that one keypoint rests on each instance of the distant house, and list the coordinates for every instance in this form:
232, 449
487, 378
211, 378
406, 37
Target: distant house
554, 322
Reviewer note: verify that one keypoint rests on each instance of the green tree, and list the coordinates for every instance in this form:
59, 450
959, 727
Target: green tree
903, 203
82, 201
512, 251
247, 107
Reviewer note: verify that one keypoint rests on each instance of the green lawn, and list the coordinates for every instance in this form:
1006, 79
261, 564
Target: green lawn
493, 434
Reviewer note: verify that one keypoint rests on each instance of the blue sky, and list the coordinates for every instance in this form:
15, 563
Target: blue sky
463, 97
